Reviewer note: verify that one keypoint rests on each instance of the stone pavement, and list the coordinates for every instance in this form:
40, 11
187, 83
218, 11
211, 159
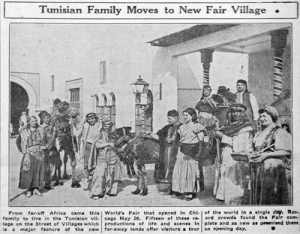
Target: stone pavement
66, 196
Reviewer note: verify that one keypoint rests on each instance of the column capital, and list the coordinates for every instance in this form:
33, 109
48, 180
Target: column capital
206, 55
206, 66
279, 38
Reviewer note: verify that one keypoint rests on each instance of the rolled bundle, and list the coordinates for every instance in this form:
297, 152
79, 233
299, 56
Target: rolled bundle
240, 156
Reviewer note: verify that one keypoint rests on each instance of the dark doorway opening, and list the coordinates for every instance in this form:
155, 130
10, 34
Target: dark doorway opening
18, 103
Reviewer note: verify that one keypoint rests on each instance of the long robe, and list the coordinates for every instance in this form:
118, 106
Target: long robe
51, 154
270, 181
89, 136
169, 143
32, 164
232, 177
186, 176
107, 172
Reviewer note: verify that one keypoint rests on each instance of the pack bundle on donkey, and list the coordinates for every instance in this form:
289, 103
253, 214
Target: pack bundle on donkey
212, 114
224, 98
217, 119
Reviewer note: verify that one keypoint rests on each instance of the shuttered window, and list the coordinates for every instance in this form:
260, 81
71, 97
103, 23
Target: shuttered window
75, 98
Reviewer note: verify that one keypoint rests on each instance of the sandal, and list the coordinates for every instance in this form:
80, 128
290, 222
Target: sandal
37, 192
28, 194
112, 194
95, 197
189, 197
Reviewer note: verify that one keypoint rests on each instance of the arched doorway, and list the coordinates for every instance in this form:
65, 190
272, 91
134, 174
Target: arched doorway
112, 106
139, 114
149, 112
101, 106
29, 82
19, 101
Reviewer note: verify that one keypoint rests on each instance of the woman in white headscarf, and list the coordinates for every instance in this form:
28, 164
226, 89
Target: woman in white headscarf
106, 174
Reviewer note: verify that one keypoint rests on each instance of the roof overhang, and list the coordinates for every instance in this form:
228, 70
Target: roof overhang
189, 34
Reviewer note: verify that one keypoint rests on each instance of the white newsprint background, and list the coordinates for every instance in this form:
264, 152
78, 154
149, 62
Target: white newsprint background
50, 49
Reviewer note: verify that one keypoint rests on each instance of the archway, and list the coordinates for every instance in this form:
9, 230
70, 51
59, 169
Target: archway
112, 106
102, 106
144, 112
33, 95
19, 102
149, 112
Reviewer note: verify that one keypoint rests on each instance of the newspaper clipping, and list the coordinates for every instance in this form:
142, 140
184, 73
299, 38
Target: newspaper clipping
150, 117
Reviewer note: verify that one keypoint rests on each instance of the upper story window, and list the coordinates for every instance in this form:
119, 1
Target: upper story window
75, 97
74, 90
102, 72
52, 83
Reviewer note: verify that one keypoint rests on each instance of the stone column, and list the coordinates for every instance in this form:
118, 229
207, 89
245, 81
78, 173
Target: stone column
206, 59
278, 44
106, 114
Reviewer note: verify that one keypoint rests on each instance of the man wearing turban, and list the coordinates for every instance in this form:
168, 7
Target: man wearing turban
90, 134
231, 176
243, 96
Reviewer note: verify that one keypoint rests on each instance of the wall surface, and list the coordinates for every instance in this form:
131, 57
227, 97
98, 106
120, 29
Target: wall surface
187, 76
261, 75
72, 51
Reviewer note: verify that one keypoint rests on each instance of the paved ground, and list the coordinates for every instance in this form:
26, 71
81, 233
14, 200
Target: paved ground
66, 196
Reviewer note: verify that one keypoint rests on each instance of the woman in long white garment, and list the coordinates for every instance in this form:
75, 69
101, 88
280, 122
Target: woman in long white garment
107, 172
186, 176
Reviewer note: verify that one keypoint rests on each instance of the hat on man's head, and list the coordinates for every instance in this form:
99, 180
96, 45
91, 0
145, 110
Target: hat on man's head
206, 87
56, 101
91, 115
242, 81
271, 110
43, 114
237, 107
173, 113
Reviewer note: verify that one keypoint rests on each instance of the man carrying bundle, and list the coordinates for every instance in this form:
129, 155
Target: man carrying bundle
232, 176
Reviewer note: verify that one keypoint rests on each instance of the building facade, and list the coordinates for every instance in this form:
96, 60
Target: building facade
93, 66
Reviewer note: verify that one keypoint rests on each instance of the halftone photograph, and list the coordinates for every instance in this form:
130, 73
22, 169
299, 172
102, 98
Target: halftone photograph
170, 115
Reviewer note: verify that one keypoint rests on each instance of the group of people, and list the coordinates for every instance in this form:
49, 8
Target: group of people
248, 148
38, 142
42, 143
102, 164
